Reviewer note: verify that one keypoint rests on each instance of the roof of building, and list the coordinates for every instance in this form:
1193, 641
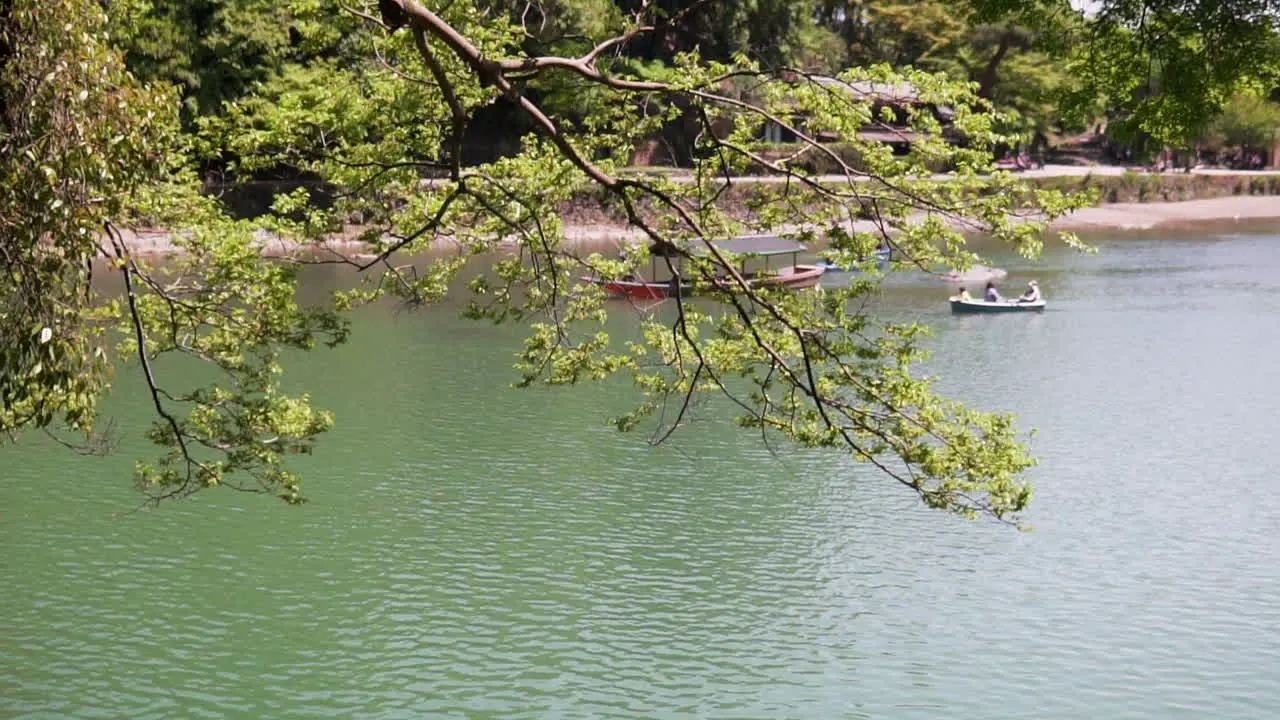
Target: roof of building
903, 92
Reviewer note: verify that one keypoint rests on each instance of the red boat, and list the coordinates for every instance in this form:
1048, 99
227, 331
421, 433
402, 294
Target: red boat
638, 289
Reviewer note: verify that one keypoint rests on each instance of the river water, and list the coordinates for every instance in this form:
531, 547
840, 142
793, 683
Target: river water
474, 551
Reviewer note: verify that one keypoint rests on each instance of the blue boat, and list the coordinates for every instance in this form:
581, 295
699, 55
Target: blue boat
959, 305
880, 256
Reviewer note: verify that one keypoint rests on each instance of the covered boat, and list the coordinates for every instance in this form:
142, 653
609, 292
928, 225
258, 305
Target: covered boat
638, 289
794, 277
791, 277
766, 247
971, 305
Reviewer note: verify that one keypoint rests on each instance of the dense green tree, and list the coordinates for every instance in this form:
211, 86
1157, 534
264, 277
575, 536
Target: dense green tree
768, 31
1248, 123
214, 50
1018, 65
1157, 67
1165, 68
85, 151
1015, 58
77, 139
903, 33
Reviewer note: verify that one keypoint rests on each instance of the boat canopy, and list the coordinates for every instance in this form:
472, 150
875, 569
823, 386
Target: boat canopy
760, 246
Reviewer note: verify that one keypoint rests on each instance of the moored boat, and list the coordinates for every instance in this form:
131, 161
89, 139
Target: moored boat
638, 289
883, 255
960, 305
791, 277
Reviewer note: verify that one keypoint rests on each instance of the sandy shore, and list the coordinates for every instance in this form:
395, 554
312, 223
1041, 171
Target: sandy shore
1218, 212
156, 241
1224, 211
1149, 216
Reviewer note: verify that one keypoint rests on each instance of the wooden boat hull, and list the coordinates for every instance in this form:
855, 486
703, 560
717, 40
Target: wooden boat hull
637, 289
982, 306
796, 277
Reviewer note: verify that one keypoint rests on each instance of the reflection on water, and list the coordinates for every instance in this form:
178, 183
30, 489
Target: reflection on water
473, 551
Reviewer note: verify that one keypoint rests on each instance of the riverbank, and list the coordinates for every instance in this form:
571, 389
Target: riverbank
1171, 215
1122, 216
1118, 216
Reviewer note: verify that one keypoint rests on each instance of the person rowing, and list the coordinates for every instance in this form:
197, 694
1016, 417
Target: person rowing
993, 295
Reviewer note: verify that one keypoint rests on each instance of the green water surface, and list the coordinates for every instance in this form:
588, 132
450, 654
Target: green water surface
473, 551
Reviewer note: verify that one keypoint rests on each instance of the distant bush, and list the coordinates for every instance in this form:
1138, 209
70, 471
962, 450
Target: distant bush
1166, 187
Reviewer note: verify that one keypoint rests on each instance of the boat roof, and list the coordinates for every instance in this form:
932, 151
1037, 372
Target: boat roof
758, 245
761, 245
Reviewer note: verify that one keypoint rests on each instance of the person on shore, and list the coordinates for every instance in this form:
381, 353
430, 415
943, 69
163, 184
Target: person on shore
1032, 294
993, 295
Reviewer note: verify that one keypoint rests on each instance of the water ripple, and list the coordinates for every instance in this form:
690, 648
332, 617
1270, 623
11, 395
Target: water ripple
475, 552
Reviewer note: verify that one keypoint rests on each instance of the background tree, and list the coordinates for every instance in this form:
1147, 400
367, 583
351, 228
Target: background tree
1165, 68
1249, 124
213, 50
1053, 67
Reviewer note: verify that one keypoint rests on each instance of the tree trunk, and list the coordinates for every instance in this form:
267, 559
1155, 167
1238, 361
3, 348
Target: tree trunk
7, 30
988, 76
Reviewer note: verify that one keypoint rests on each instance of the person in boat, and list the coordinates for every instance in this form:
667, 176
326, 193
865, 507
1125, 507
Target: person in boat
674, 288
1032, 294
630, 275
964, 294
993, 295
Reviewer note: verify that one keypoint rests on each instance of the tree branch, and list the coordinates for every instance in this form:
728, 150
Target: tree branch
450, 98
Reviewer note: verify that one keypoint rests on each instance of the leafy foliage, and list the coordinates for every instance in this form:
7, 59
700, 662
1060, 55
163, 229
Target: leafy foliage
78, 140
87, 151
1167, 67
376, 100
816, 370
221, 303
1248, 122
